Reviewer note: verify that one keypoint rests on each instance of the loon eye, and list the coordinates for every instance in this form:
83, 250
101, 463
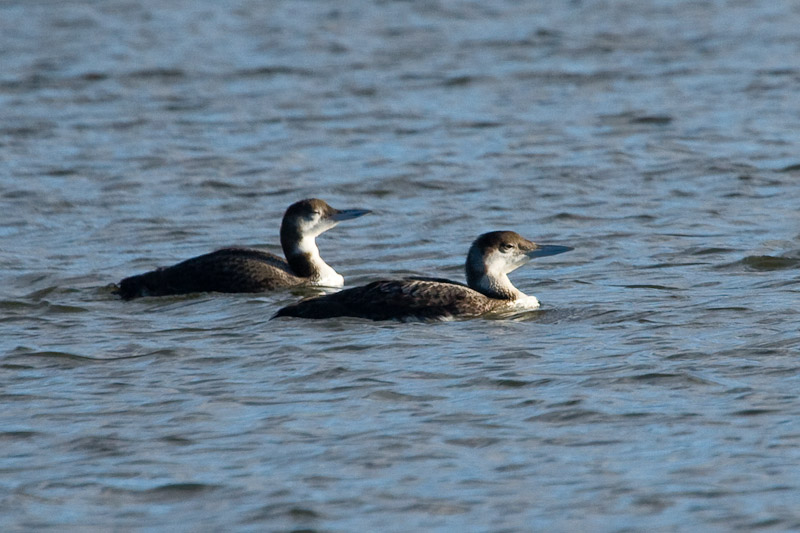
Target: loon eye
506, 247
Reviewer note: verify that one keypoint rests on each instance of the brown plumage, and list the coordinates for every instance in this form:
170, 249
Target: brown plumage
491, 257
406, 299
225, 270
250, 270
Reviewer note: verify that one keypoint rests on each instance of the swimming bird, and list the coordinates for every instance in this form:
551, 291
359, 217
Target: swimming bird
250, 270
491, 257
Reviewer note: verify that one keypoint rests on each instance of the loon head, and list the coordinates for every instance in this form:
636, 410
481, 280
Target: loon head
302, 223
493, 255
312, 217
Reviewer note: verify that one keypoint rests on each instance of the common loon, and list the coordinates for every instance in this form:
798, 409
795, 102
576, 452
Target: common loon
491, 257
250, 270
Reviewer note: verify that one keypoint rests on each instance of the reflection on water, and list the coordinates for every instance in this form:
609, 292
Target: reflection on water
656, 388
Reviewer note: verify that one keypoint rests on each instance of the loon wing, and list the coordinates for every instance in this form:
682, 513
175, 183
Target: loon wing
436, 280
225, 270
419, 299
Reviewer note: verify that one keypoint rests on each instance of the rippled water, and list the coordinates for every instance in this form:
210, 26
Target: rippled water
657, 388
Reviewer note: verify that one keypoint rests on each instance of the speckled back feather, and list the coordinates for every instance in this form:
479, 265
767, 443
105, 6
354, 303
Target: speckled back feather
412, 298
225, 270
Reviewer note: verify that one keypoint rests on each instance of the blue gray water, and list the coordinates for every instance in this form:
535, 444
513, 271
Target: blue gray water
657, 389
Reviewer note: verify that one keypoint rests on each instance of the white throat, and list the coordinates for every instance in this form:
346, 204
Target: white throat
493, 282
324, 274
494, 279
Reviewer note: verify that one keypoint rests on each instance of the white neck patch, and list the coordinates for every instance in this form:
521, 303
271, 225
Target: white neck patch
326, 276
499, 284
524, 303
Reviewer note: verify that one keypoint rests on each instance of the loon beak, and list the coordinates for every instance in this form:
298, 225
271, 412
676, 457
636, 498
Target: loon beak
347, 214
543, 250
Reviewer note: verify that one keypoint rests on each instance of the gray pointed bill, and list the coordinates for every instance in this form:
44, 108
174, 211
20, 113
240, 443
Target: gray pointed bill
348, 214
543, 250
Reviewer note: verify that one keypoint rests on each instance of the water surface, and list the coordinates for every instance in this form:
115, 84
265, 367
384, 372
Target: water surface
656, 389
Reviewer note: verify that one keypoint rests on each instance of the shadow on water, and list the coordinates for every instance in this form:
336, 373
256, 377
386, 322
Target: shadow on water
769, 262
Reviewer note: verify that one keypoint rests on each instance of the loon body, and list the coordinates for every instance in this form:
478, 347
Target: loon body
250, 270
491, 257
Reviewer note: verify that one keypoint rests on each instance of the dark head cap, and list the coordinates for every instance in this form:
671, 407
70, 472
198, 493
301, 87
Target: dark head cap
314, 209
503, 241
310, 218
307, 208
499, 252
510, 241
